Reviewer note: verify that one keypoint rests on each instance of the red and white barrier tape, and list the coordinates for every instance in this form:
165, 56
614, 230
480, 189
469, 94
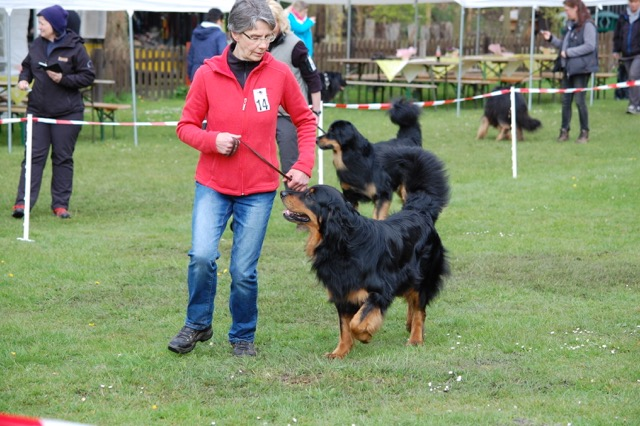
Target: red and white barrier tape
375, 106
12, 420
383, 106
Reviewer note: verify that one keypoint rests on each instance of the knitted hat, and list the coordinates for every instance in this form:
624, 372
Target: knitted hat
57, 17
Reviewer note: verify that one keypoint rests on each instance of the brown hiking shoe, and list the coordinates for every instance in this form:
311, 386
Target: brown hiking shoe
564, 135
584, 136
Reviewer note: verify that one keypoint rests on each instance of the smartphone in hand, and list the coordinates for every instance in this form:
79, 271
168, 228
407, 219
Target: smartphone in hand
53, 67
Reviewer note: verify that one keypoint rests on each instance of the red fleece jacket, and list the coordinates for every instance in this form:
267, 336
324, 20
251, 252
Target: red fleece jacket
216, 95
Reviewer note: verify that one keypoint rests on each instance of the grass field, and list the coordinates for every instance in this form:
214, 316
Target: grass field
538, 324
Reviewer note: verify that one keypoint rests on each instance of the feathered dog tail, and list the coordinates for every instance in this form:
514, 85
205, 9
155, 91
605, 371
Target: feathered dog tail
425, 184
529, 123
406, 116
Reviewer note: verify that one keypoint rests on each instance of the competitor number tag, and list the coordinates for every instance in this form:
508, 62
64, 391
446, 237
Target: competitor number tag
261, 100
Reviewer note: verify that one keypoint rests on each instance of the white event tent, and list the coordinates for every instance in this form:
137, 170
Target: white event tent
188, 6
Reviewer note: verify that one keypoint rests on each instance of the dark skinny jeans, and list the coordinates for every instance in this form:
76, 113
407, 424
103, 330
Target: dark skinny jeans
575, 81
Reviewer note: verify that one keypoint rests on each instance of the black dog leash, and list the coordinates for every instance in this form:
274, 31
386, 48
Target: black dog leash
237, 141
317, 127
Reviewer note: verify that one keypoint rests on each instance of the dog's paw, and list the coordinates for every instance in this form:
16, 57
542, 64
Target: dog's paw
334, 355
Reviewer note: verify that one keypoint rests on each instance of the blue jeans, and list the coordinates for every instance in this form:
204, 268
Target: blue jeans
211, 212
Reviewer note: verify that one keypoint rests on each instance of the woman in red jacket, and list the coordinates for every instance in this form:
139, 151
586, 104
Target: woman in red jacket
238, 94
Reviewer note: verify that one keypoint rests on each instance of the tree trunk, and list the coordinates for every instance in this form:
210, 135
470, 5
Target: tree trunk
116, 47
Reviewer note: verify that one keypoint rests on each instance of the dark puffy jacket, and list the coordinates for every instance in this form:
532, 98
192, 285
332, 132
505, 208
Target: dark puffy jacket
47, 98
581, 46
626, 37
206, 42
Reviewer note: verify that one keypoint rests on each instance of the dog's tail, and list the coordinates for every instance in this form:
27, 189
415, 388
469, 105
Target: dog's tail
529, 123
406, 116
425, 184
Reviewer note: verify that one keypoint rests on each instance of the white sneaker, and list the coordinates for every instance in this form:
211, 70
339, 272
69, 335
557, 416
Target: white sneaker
633, 110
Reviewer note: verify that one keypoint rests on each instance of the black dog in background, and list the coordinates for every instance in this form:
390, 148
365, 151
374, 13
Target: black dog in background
497, 113
332, 84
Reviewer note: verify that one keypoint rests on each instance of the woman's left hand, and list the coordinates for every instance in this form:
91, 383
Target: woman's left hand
563, 53
55, 76
299, 181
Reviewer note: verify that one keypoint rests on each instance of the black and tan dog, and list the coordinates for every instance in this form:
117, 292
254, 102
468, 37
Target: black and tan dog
368, 171
365, 263
497, 113
332, 84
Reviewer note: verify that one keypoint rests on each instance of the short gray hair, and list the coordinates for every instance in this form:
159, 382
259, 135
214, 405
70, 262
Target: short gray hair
246, 13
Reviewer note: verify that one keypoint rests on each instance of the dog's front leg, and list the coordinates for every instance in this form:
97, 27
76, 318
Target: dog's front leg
381, 208
346, 340
366, 322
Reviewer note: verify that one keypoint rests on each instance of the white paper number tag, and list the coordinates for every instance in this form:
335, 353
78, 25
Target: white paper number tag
261, 100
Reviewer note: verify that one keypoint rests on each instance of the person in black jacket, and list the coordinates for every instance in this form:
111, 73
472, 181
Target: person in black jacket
626, 48
59, 66
578, 60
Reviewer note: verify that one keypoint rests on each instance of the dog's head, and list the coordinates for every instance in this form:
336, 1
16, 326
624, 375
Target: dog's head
332, 84
342, 136
322, 209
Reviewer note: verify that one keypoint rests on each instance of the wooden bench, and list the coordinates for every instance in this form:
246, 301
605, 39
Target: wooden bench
376, 84
601, 79
105, 111
15, 109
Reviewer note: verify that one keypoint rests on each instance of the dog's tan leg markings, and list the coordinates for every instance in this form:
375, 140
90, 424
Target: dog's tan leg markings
484, 127
402, 192
519, 134
370, 190
415, 318
363, 329
358, 297
381, 210
504, 132
346, 340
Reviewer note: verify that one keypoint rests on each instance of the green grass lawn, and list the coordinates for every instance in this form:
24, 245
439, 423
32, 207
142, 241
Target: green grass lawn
538, 324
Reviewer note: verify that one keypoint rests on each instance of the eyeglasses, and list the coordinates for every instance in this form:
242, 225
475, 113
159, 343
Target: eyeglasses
257, 39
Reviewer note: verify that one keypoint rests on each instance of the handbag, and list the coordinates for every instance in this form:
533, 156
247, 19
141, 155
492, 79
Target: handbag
557, 65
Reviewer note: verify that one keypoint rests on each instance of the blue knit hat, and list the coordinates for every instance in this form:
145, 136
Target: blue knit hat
57, 17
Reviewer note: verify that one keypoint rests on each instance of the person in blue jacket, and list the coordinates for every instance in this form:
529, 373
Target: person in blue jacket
301, 23
207, 40
626, 49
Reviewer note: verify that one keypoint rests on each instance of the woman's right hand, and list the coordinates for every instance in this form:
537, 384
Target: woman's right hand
23, 85
546, 35
227, 143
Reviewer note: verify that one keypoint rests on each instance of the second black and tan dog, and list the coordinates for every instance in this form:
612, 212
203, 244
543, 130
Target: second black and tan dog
497, 113
374, 171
